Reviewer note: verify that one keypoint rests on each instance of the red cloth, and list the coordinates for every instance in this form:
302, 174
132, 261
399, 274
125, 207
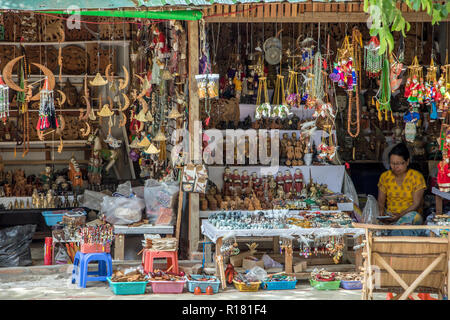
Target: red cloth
443, 176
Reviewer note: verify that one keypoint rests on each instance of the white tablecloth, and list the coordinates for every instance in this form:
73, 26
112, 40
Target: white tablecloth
213, 233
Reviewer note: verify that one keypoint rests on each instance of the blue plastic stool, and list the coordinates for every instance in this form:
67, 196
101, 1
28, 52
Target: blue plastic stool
80, 271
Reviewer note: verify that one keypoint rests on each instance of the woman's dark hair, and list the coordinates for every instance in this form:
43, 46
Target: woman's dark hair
400, 150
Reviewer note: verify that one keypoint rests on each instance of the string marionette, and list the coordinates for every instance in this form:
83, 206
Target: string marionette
373, 62
4, 100
432, 92
47, 112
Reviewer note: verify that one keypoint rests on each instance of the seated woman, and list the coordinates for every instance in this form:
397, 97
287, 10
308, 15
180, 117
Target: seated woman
401, 190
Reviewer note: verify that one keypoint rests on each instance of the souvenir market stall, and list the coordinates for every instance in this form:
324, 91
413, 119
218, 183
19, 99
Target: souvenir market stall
323, 93
91, 113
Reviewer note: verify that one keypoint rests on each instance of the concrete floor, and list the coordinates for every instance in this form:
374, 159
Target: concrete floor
58, 286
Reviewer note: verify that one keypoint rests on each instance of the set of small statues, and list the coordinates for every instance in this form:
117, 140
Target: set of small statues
250, 192
292, 149
44, 200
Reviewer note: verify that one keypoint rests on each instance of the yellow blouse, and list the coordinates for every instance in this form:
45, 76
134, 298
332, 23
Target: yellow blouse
400, 197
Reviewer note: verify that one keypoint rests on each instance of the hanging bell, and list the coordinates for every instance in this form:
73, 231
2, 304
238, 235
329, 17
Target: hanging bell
135, 144
160, 137
149, 117
174, 114
152, 149
141, 116
144, 143
98, 80
105, 112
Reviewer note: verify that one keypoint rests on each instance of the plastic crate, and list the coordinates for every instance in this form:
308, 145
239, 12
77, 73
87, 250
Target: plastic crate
53, 217
123, 288
168, 286
325, 285
278, 285
351, 285
241, 286
192, 284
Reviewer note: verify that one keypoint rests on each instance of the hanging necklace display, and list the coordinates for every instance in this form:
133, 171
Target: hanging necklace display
4, 100
373, 62
354, 69
383, 96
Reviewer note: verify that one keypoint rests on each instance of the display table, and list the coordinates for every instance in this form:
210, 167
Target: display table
439, 196
121, 231
217, 235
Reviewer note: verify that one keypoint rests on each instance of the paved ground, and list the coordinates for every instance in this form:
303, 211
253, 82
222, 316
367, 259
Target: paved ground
37, 286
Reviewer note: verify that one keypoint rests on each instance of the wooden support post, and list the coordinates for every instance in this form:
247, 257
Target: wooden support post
180, 209
219, 263
288, 258
194, 143
119, 247
438, 204
358, 255
276, 245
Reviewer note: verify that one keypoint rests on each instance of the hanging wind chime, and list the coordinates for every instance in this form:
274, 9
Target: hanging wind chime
4, 100
373, 62
47, 112
263, 109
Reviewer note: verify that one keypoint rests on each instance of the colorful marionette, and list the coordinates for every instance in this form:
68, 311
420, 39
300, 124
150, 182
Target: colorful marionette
443, 177
430, 98
4, 100
412, 88
344, 74
47, 112
373, 62
411, 118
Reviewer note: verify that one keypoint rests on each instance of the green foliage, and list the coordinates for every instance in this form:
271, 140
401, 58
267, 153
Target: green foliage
387, 18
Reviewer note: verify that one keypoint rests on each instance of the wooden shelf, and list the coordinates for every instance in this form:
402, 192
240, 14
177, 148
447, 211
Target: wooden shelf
65, 43
66, 142
37, 162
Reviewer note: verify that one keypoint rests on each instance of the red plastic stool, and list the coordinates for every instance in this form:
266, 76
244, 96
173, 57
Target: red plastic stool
149, 255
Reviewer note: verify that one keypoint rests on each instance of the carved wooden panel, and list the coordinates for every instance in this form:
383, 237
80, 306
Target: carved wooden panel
74, 60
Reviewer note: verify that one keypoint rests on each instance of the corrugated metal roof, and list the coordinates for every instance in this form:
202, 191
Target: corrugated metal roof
113, 4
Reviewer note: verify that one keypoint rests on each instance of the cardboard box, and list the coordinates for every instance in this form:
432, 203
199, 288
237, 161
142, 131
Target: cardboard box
247, 264
300, 267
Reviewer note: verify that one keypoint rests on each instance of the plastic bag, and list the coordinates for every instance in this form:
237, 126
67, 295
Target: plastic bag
121, 210
349, 189
371, 211
124, 189
15, 245
256, 274
61, 256
92, 199
270, 263
160, 201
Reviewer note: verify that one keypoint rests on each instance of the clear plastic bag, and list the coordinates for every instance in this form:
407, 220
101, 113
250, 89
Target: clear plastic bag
121, 210
61, 256
270, 263
371, 211
349, 189
92, 199
256, 274
125, 189
160, 201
